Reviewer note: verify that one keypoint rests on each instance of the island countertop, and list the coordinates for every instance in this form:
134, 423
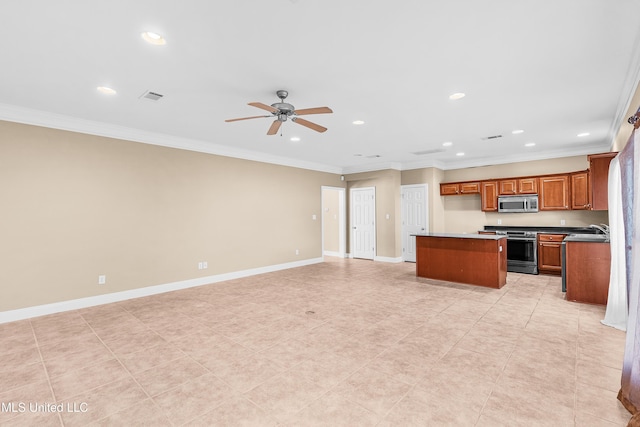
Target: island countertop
463, 236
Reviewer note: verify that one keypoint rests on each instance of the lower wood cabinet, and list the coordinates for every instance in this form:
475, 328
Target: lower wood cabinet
587, 270
549, 253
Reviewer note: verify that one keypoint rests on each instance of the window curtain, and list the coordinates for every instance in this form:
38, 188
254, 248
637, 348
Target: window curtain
617, 308
629, 393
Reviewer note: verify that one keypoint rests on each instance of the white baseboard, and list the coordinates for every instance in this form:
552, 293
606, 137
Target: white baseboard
58, 307
380, 258
387, 259
336, 254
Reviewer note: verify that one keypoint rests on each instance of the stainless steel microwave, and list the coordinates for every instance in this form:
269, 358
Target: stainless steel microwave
525, 203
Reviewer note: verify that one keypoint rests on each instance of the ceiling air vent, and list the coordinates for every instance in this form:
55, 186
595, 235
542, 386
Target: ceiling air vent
425, 152
491, 137
153, 96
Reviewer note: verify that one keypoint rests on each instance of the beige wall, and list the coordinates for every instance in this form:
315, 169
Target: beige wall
388, 232
432, 177
622, 137
76, 206
331, 219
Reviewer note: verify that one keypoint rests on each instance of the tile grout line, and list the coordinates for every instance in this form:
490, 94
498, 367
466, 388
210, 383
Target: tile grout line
46, 371
122, 365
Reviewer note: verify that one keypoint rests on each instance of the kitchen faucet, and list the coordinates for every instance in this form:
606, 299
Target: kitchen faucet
603, 228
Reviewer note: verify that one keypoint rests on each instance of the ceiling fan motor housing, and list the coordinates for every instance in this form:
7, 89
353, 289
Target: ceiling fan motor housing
283, 108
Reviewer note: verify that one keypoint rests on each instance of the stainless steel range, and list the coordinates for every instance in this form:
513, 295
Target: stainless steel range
522, 252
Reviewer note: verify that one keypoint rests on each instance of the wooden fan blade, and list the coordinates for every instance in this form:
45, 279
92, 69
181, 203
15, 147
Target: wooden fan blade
245, 118
269, 108
317, 110
274, 127
308, 124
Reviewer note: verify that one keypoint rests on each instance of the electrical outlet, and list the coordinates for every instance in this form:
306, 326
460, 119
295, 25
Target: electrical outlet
205, 264
314, 217
499, 221
297, 252
562, 222
102, 280
200, 266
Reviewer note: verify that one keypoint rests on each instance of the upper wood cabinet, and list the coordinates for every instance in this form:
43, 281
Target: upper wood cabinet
489, 196
528, 185
449, 189
580, 194
583, 190
470, 188
513, 186
599, 180
455, 188
554, 193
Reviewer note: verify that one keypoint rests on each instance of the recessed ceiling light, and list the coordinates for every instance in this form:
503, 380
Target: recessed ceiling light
460, 154
153, 38
447, 144
580, 135
295, 139
529, 144
358, 122
517, 131
106, 90
457, 95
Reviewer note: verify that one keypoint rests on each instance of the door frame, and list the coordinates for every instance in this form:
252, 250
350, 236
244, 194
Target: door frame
342, 218
426, 211
375, 221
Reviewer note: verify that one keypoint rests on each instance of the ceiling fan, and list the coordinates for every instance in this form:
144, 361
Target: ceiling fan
282, 111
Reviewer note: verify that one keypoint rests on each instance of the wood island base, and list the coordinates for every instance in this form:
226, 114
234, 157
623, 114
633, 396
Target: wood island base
472, 259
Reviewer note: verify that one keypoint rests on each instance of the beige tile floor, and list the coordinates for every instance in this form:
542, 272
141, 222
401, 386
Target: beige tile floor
345, 342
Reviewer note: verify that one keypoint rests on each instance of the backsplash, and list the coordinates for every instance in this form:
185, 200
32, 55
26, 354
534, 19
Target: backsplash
463, 215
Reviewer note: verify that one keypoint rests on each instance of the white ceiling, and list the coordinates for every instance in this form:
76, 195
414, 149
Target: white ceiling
554, 68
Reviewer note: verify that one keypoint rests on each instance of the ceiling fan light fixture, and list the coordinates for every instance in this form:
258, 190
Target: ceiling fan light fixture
457, 95
153, 38
358, 122
447, 144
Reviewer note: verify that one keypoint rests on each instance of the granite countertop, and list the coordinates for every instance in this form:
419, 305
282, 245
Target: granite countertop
463, 236
594, 238
542, 229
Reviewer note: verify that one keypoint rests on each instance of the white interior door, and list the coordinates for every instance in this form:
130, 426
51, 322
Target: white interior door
363, 222
414, 217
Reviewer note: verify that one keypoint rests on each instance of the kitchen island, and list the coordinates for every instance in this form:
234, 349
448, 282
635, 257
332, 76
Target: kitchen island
475, 259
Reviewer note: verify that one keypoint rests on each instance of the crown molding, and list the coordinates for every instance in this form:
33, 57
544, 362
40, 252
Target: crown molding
73, 124
600, 147
626, 95
34, 117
